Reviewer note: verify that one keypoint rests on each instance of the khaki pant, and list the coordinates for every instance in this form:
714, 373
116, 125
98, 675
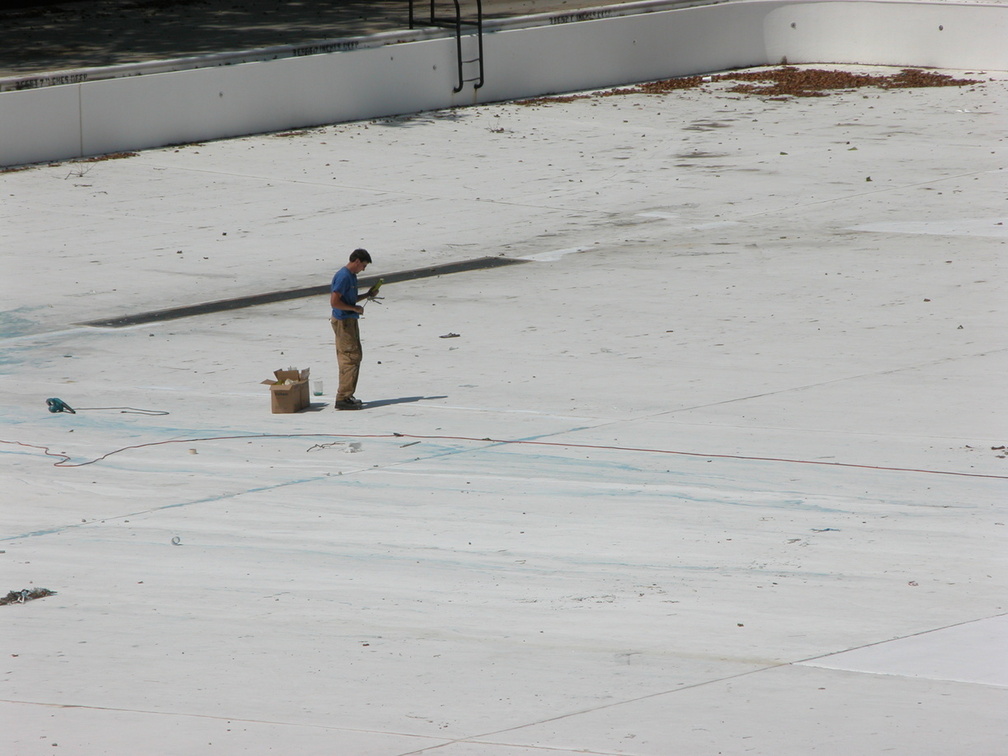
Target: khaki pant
348, 355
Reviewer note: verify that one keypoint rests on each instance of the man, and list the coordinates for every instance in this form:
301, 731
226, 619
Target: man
344, 321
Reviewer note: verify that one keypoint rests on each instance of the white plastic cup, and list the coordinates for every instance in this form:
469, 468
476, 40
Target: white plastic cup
317, 388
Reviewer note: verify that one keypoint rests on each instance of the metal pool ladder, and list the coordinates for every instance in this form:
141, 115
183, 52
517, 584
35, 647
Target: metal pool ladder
457, 23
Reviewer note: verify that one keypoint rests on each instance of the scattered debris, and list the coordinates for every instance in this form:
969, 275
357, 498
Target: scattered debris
299, 132
1002, 451
450, 336
26, 594
816, 82
324, 446
110, 156
176, 541
352, 448
778, 83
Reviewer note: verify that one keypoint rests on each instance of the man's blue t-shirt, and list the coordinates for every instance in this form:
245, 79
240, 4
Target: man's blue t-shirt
345, 283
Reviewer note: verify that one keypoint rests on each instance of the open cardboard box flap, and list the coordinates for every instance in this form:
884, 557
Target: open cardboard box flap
288, 390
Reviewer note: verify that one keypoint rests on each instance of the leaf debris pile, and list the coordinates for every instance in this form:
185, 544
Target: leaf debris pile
781, 82
789, 81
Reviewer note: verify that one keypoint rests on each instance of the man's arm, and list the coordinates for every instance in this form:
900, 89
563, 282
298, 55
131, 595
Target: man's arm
337, 303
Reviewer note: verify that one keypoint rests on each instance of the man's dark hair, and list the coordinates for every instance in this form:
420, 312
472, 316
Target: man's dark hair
361, 255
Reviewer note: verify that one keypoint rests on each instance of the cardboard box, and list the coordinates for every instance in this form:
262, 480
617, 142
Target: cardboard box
288, 390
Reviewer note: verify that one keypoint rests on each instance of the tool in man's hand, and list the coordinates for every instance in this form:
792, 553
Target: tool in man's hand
372, 295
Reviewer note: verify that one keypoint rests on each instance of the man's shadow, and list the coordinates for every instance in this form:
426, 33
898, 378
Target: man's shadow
400, 400
319, 406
